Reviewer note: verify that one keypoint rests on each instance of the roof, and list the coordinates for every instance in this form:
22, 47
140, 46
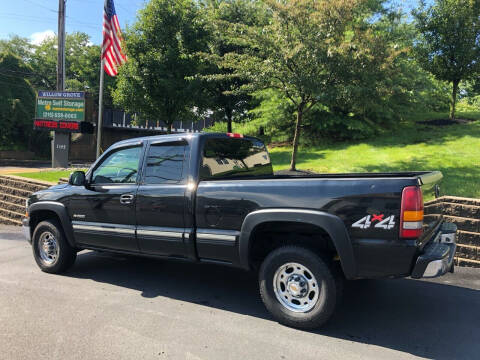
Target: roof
172, 137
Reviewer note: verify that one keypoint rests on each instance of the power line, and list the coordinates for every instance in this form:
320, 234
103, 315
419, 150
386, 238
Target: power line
26, 16
83, 22
42, 6
44, 20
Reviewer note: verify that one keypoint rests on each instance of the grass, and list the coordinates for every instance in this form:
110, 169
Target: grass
453, 149
52, 176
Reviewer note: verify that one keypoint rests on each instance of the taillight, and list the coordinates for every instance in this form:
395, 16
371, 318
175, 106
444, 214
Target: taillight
411, 213
235, 135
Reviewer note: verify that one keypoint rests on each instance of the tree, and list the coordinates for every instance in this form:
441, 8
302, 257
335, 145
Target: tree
227, 100
449, 42
17, 101
18, 46
82, 64
37, 68
157, 79
301, 52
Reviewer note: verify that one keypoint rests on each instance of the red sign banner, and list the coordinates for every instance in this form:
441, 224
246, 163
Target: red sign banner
65, 126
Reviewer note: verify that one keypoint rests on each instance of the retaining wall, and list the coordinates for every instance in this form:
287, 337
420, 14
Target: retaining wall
465, 213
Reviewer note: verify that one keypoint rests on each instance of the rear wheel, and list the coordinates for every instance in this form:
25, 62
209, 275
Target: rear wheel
51, 250
298, 287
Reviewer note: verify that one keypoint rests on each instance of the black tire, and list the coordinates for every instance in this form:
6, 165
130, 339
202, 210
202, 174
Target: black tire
328, 282
65, 255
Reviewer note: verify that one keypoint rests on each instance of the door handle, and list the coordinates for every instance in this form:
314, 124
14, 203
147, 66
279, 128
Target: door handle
126, 199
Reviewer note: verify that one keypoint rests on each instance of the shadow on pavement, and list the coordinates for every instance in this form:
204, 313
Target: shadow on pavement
421, 318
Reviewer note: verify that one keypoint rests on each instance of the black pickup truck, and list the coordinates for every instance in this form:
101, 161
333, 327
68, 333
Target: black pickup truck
214, 198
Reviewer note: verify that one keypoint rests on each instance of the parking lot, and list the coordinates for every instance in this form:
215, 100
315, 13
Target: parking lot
117, 307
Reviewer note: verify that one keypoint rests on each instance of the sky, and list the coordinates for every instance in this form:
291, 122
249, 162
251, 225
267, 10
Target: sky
37, 19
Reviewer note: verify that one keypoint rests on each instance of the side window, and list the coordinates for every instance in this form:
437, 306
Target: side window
120, 166
165, 163
224, 158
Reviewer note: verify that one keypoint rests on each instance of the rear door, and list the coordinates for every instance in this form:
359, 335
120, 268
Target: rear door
161, 199
103, 214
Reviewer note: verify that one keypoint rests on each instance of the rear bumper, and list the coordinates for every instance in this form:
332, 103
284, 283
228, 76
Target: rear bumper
437, 257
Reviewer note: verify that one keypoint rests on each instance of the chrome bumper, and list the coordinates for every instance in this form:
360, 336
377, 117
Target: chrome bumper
26, 230
437, 258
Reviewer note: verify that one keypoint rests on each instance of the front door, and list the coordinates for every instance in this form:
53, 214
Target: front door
103, 214
161, 200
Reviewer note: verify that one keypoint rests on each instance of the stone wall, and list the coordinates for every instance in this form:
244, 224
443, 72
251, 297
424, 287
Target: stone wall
465, 213
14, 191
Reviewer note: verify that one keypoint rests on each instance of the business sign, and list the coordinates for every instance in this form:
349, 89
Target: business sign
63, 126
61, 105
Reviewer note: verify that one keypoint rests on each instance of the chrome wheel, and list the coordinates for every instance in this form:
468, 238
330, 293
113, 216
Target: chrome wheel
295, 287
48, 248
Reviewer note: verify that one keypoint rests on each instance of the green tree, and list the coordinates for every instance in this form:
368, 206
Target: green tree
304, 51
18, 46
17, 101
227, 100
449, 41
161, 46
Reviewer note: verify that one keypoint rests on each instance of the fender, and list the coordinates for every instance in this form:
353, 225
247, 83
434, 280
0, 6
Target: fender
59, 209
332, 224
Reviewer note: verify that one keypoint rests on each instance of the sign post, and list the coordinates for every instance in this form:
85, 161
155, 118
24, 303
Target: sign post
63, 112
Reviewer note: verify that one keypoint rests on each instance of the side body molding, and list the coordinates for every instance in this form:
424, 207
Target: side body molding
332, 224
59, 209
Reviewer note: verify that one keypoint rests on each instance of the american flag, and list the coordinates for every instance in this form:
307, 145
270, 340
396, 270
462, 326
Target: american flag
112, 40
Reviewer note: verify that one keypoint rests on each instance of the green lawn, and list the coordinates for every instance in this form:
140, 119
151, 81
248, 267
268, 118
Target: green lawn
453, 149
46, 175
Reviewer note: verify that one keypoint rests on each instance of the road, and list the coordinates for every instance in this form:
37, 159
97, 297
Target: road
116, 307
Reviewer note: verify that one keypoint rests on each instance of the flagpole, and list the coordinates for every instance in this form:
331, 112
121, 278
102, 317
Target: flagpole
100, 108
116, 57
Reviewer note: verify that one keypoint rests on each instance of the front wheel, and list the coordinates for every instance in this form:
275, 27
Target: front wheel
298, 287
51, 250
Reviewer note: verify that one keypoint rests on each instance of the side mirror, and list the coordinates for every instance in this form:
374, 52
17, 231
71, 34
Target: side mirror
77, 178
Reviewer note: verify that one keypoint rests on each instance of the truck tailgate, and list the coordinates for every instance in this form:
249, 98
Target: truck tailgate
430, 185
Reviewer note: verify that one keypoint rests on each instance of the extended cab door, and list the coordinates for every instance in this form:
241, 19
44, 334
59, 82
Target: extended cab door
103, 213
161, 199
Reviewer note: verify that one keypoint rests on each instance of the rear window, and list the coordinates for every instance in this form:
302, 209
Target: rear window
228, 158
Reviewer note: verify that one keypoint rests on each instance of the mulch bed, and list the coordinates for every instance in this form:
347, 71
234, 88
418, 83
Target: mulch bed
445, 122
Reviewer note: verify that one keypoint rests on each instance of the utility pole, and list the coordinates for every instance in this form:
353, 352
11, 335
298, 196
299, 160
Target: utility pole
61, 47
61, 141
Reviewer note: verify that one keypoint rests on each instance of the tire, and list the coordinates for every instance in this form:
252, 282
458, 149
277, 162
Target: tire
311, 300
51, 250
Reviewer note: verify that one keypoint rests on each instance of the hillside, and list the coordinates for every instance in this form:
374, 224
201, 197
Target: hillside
422, 145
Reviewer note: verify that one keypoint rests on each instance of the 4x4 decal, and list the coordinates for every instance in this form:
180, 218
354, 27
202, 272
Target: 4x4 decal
367, 221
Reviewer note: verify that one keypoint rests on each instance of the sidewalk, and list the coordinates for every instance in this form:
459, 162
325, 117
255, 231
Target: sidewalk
6, 170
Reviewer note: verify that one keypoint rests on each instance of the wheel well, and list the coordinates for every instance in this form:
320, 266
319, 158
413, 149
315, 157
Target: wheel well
39, 216
268, 236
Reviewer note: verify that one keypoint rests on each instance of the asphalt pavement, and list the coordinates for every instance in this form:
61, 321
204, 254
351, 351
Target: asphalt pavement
118, 307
